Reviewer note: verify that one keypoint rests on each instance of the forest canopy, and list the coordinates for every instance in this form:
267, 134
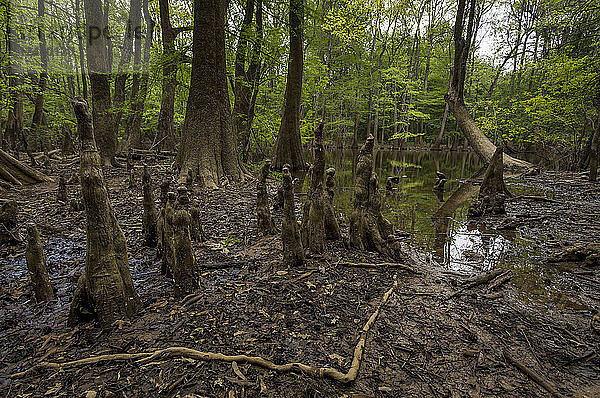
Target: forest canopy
369, 67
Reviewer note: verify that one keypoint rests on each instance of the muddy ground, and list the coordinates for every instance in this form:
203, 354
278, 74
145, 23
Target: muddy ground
435, 337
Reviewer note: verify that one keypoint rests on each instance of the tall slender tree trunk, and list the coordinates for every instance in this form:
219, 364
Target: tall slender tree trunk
38, 113
138, 96
595, 140
288, 148
165, 129
97, 56
242, 90
454, 97
81, 52
132, 33
208, 152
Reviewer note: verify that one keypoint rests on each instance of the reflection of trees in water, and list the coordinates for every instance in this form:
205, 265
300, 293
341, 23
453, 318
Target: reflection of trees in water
413, 192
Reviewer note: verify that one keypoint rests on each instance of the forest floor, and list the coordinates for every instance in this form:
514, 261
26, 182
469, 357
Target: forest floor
436, 336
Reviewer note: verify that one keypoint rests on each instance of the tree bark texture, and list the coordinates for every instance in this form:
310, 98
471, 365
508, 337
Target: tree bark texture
105, 288
184, 271
293, 253
36, 264
313, 218
208, 151
493, 191
368, 229
97, 55
263, 211
332, 228
288, 148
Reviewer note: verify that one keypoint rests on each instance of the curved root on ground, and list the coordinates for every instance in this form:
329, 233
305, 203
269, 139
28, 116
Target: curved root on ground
184, 352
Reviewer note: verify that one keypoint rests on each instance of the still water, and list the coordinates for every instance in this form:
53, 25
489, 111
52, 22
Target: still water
412, 203
440, 227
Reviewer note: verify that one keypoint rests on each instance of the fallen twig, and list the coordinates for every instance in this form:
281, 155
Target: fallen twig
145, 357
541, 381
380, 265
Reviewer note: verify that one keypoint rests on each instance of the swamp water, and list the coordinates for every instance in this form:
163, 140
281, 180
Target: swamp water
449, 238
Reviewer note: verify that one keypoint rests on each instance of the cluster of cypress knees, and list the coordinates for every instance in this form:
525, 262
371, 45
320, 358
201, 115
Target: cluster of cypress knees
105, 289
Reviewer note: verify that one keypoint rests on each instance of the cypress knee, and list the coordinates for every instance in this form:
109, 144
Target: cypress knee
368, 228
165, 235
8, 223
293, 254
61, 194
105, 288
185, 275
332, 229
196, 230
493, 191
313, 224
263, 212
36, 264
150, 216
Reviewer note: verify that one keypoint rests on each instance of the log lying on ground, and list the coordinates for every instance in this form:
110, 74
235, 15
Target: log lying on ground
36, 264
184, 352
368, 229
493, 191
105, 288
313, 223
263, 211
537, 378
15, 172
588, 253
150, 216
293, 253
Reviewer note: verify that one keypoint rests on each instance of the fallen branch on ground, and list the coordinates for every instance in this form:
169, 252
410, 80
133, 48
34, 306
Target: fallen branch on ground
184, 352
379, 265
476, 281
539, 380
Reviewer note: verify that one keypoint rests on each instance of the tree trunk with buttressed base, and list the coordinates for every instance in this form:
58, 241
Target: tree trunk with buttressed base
105, 289
208, 142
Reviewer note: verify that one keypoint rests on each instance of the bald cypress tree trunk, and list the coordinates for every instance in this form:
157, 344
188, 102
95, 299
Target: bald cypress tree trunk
288, 148
209, 152
165, 130
97, 55
105, 288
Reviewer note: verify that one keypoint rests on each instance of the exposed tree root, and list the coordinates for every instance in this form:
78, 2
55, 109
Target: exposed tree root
184, 352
